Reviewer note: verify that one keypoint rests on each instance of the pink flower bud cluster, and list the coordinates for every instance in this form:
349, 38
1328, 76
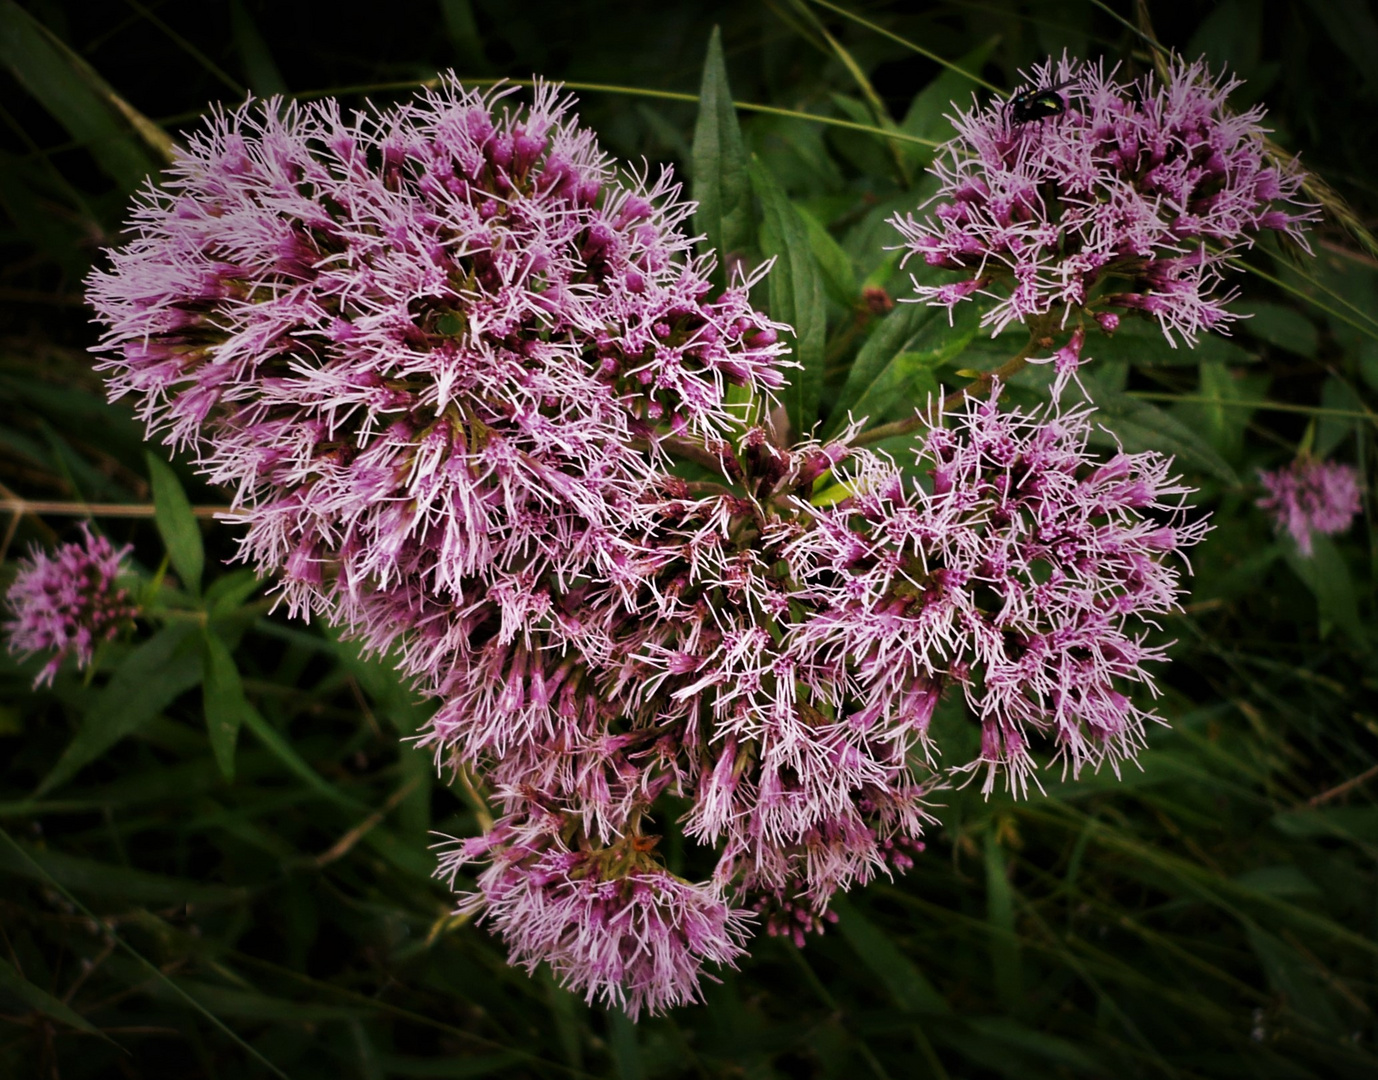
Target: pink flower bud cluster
68, 602
1133, 197
444, 358
1311, 497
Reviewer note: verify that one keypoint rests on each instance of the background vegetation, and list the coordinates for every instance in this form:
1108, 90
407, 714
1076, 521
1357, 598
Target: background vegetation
1213, 915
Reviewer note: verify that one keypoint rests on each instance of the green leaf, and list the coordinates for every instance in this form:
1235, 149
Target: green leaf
464, 34
150, 679
385, 684
905, 383
222, 693
1142, 344
260, 72
624, 1047
1221, 422
1333, 430
1141, 426
868, 151
891, 384
1368, 362
176, 523
892, 336
721, 186
227, 593
107, 879
1000, 1030
928, 112
796, 296
38, 999
1355, 823
252, 1005
25, 198
907, 985
1354, 31
1290, 975
407, 857
1327, 576
1004, 945
282, 749
1284, 327
1283, 880
81, 100
839, 275
795, 152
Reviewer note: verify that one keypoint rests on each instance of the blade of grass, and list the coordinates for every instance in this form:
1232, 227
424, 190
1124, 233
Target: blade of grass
919, 49
601, 88
82, 101
139, 958
43, 1002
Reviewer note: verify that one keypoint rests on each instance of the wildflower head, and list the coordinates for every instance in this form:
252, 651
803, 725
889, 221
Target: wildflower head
1311, 497
68, 602
611, 922
421, 345
1026, 571
1132, 197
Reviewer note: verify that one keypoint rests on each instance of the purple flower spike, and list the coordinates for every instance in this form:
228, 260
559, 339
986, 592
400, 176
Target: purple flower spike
1311, 497
68, 603
1135, 196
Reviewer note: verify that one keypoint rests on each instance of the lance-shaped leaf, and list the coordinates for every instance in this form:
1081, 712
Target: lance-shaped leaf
720, 183
80, 99
176, 523
796, 295
222, 692
148, 681
38, 999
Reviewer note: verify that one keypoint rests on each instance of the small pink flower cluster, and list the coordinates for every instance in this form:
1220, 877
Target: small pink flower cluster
610, 922
67, 603
445, 360
1134, 197
1311, 497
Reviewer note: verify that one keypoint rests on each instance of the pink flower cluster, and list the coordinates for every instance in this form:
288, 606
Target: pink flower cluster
613, 922
1133, 198
1026, 573
778, 663
435, 351
448, 360
67, 603
1311, 497
420, 345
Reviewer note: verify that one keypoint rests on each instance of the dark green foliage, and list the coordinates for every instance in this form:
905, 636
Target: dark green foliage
214, 859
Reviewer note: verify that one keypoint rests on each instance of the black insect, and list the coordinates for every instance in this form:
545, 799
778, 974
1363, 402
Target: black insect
1035, 105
